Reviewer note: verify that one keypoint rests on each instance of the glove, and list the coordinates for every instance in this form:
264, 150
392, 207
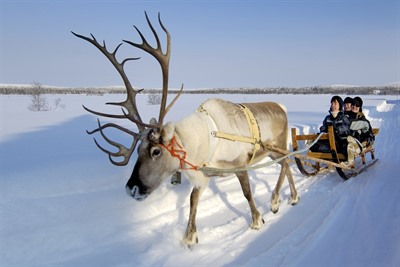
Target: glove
356, 134
370, 138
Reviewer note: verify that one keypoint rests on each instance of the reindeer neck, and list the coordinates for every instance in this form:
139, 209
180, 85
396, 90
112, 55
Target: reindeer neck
191, 133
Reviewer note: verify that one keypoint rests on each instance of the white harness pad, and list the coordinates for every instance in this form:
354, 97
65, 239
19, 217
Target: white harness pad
212, 128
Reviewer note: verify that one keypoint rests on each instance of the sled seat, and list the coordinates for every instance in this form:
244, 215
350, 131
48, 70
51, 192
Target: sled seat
331, 137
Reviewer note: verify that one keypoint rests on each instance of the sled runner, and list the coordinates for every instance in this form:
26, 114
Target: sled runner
318, 162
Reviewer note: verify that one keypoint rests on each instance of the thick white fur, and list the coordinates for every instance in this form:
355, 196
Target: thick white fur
195, 137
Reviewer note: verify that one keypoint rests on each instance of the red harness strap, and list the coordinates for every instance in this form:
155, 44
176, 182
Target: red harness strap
179, 154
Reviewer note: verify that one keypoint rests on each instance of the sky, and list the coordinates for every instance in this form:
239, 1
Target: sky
214, 43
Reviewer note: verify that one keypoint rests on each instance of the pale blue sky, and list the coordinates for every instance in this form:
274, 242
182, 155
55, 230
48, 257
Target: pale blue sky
214, 43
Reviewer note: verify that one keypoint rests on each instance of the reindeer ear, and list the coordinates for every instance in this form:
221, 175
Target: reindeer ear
153, 121
168, 132
154, 136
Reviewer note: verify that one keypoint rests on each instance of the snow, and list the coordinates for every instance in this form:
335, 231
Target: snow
64, 204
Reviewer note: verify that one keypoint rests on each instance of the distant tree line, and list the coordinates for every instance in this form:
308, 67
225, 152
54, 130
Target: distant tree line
44, 89
362, 90
370, 90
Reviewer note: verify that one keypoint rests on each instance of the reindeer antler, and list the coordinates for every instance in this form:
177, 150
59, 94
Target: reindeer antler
130, 103
162, 58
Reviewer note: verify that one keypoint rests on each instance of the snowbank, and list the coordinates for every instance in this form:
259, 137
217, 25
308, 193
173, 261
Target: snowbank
64, 204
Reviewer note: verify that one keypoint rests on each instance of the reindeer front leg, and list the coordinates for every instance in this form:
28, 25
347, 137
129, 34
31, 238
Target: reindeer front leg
190, 237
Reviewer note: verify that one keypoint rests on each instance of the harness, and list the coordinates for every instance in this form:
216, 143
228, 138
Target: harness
255, 134
176, 150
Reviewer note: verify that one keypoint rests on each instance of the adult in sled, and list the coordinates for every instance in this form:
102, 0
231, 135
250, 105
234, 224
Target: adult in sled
341, 127
360, 131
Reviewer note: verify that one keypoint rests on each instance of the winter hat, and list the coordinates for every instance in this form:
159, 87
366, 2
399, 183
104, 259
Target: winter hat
357, 101
348, 100
339, 100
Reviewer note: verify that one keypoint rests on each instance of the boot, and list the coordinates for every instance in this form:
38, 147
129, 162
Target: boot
351, 153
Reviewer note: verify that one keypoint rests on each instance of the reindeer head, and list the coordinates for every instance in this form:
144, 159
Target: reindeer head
154, 163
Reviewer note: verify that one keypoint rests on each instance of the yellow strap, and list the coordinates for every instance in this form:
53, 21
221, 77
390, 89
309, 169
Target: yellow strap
255, 138
232, 137
255, 131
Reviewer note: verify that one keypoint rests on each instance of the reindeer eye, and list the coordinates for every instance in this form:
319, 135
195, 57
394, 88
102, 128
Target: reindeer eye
155, 152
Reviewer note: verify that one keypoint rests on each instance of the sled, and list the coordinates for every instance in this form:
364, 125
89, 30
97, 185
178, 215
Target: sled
317, 162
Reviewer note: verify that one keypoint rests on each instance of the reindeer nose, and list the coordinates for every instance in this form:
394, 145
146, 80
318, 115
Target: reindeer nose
134, 192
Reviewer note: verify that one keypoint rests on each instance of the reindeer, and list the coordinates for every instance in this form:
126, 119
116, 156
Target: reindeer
220, 134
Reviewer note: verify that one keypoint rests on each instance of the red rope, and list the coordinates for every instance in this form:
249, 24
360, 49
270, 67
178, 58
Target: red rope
179, 154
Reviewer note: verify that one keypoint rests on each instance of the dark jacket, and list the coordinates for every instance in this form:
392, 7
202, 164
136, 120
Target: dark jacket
341, 128
360, 127
341, 125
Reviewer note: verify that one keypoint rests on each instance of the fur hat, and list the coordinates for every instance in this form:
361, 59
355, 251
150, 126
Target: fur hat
339, 100
357, 101
348, 100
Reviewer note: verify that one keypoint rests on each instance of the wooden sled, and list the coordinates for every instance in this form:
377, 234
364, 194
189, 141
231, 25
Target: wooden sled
318, 162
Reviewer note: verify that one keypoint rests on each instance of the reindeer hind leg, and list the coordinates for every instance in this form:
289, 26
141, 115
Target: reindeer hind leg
275, 197
294, 197
258, 221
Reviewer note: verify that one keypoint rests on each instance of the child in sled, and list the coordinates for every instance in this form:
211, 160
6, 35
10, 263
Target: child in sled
341, 127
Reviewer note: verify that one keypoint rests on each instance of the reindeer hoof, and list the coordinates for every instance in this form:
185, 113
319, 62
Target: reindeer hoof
257, 225
190, 241
275, 205
275, 210
293, 201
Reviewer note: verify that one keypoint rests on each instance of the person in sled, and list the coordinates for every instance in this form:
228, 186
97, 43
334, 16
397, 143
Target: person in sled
361, 134
341, 127
348, 103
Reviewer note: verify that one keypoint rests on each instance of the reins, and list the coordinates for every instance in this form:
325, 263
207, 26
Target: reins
262, 165
181, 155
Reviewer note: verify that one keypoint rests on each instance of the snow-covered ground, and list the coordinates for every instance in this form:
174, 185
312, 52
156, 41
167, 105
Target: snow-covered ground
64, 204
